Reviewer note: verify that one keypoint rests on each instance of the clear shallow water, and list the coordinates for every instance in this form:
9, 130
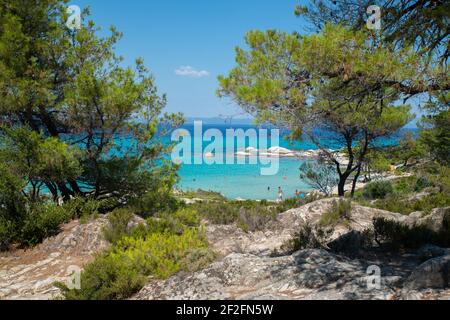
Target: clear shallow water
243, 181
246, 181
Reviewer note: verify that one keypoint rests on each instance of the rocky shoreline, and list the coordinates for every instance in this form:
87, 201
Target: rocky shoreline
279, 152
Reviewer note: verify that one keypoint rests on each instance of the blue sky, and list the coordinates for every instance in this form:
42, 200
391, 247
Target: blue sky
200, 34
188, 43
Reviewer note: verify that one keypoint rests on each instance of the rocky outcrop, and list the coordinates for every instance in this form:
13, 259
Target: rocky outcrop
229, 239
428, 252
30, 274
306, 275
248, 271
361, 218
434, 274
246, 267
312, 274
435, 221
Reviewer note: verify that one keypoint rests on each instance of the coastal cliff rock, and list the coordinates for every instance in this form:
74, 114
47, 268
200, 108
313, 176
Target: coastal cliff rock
30, 274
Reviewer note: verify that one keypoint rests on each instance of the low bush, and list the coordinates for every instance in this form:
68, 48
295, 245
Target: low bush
174, 223
293, 203
86, 208
255, 219
117, 228
158, 225
151, 204
442, 179
7, 233
248, 215
404, 185
160, 254
377, 190
398, 235
308, 237
124, 269
339, 212
218, 212
422, 183
171, 223
399, 204
108, 277
37, 221
203, 195
164, 245
197, 258
42, 221
188, 217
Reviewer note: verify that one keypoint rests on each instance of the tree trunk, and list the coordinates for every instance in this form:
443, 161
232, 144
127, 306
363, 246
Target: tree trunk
65, 192
74, 185
341, 186
355, 181
53, 190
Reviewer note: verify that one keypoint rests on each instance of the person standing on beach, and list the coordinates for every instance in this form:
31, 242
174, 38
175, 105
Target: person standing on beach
280, 194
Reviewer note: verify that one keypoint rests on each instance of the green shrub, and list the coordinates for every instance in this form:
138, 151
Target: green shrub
404, 185
398, 235
393, 203
293, 203
422, 183
197, 258
117, 228
12, 206
248, 215
218, 212
255, 219
399, 204
85, 208
158, 225
308, 237
186, 216
161, 255
340, 211
7, 233
203, 195
431, 201
377, 190
155, 202
108, 277
288, 204
173, 223
41, 222
124, 269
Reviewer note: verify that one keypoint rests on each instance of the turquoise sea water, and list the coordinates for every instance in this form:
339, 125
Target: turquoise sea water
243, 181
246, 181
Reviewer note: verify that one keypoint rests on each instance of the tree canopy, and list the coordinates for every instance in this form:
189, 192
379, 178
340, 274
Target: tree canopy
346, 79
67, 101
339, 82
